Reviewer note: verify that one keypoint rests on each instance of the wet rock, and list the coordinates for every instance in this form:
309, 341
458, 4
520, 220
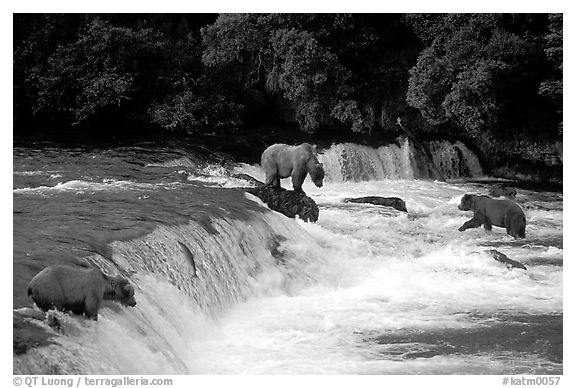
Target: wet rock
288, 202
394, 202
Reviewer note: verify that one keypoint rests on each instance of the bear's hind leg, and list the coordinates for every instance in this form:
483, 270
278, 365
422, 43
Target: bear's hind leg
271, 170
516, 227
516, 233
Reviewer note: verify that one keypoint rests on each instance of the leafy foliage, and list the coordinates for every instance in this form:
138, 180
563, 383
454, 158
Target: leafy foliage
552, 87
288, 61
471, 74
317, 62
475, 69
196, 107
101, 69
307, 74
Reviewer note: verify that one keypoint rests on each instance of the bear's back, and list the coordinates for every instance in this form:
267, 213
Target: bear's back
497, 209
64, 287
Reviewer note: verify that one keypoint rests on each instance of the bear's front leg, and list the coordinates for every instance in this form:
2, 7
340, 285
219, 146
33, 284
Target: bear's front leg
270, 180
92, 305
298, 180
473, 223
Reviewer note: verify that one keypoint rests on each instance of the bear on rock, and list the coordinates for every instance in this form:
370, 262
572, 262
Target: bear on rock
282, 161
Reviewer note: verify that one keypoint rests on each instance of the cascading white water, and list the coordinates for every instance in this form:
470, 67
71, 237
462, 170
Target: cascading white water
366, 289
236, 260
347, 162
353, 162
454, 160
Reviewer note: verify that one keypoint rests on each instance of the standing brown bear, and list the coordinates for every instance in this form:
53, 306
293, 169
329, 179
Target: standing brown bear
282, 161
487, 211
80, 290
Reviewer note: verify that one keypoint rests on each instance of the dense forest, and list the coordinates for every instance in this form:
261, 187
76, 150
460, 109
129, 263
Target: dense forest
494, 80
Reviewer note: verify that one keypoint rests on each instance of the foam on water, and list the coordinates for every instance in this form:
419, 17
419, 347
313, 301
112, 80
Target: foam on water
367, 289
385, 273
178, 162
217, 176
80, 186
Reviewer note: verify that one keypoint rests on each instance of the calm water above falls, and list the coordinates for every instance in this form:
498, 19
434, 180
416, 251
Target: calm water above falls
364, 290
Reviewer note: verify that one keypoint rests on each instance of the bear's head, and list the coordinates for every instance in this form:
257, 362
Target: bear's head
317, 174
123, 291
467, 202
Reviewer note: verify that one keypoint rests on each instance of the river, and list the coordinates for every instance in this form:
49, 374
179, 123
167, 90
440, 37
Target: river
365, 290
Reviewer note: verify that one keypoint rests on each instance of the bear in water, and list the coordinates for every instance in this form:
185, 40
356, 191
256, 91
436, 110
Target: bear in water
487, 211
80, 290
283, 161
499, 191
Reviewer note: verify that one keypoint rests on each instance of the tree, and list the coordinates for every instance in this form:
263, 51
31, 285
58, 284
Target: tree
269, 50
337, 71
479, 72
73, 70
197, 104
333, 69
36, 37
552, 88
104, 68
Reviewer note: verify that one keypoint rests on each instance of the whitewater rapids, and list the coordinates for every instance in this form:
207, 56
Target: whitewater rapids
365, 290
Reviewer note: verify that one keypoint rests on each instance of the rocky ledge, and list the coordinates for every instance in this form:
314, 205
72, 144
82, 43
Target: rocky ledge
288, 202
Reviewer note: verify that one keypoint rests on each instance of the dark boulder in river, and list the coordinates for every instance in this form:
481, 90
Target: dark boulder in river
288, 202
394, 202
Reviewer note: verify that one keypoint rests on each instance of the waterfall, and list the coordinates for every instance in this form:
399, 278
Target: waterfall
454, 160
265, 255
354, 162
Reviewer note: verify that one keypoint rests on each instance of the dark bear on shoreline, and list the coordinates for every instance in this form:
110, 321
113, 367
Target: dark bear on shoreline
79, 290
488, 212
499, 191
282, 161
